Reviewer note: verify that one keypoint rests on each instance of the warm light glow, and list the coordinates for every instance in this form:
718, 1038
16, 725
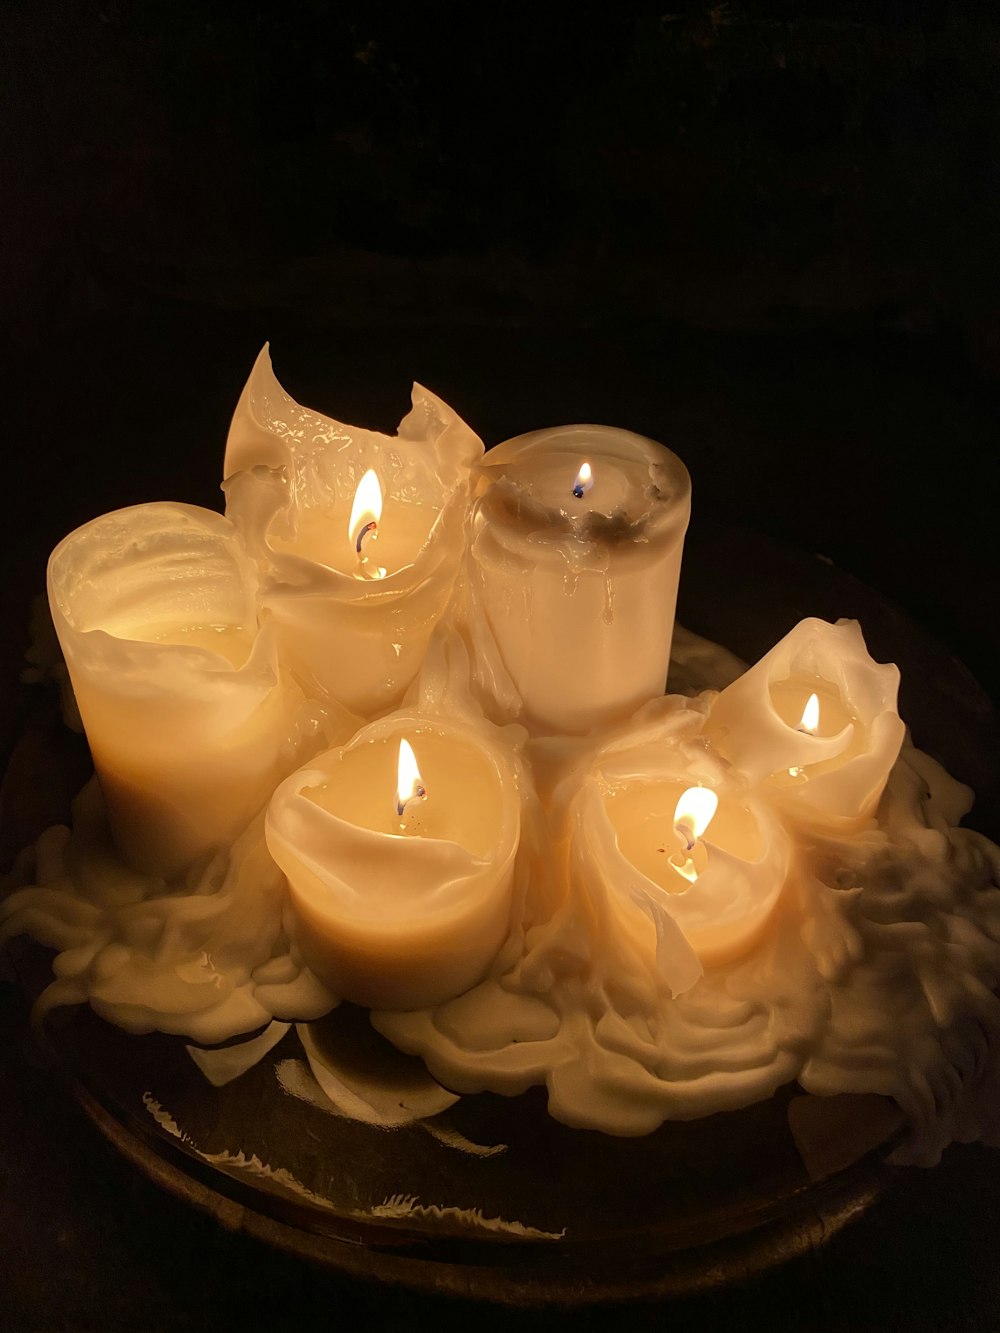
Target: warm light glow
409, 786
695, 811
584, 481
366, 510
810, 715
692, 816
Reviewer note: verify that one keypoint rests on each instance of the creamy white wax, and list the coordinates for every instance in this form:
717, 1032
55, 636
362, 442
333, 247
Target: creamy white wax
398, 908
691, 893
815, 720
353, 607
177, 687
573, 581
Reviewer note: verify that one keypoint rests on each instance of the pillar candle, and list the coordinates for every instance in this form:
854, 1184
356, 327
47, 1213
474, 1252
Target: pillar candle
575, 556
177, 687
353, 604
401, 898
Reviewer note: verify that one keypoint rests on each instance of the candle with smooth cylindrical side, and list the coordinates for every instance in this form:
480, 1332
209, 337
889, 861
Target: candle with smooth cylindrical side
577, 535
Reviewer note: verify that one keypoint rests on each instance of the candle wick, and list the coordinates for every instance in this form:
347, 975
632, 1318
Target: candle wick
419, 794
686, 836
578, 490
370, 529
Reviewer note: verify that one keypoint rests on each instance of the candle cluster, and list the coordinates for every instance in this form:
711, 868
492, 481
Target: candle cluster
428, 687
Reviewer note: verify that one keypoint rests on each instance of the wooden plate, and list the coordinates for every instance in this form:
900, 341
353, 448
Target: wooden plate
492, 1198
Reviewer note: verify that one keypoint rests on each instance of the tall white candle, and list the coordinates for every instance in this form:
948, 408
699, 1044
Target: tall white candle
177, 688
354, 606
816, 720
573, 575
400, 882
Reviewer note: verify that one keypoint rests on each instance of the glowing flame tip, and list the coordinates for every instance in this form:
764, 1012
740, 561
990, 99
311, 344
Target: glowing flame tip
409, 786
584, 481
810, 715
367, 507
695, 811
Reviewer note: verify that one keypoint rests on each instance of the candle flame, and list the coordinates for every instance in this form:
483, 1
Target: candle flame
584, 481
695, 811
409, 786
366, 510
810, 715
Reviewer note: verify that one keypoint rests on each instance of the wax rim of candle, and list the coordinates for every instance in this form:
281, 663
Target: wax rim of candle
837, 654
663, 479
737, 894
141, 666
292, 813
268, 426
261, 503
721, 913
271, 474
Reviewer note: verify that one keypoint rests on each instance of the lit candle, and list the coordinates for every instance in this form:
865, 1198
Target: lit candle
673, 863
363, 529
575, 557
358, 535
178, 690
816, 719
672, 837
399, 853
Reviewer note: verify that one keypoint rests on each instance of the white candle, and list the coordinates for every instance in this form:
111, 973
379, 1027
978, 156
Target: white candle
816, 720
178, 690
574, 579
353, 625
676, 839
400, 880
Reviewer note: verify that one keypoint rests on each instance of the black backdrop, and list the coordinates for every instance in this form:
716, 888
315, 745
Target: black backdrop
762, 233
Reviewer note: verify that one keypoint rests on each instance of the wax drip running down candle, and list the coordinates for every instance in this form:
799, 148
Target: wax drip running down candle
694, 812
409, 787
584, 481
363, 527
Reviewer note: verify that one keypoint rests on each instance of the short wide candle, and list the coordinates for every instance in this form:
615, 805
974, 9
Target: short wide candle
576, 549
400, 893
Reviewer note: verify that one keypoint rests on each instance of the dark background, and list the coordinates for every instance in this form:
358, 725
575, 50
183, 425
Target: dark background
764, 234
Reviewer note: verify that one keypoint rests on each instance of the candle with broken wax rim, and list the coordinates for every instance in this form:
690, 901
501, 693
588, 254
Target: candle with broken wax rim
358, 535
815, 720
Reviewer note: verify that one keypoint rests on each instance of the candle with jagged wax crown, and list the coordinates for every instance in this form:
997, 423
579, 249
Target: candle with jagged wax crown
576, 539
815, 721
358, 535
